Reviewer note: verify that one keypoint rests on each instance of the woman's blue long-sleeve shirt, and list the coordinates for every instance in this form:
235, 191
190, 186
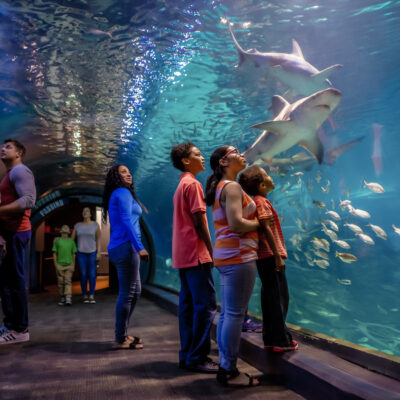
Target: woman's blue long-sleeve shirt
124, 213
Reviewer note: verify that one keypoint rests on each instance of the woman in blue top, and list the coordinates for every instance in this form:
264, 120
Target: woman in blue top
125, 248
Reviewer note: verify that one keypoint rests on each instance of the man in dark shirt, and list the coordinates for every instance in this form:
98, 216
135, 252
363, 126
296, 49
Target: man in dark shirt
18, 195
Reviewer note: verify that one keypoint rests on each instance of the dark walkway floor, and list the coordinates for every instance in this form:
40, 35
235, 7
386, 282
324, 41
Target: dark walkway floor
69, 357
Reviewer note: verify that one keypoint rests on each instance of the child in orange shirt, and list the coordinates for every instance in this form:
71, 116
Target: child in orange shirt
270, 264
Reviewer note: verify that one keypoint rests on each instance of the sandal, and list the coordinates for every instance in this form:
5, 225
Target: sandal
236, 379
134, 339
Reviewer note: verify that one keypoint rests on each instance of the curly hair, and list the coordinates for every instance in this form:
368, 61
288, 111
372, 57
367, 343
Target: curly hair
250, 179
218, 171
180, 151
114, 181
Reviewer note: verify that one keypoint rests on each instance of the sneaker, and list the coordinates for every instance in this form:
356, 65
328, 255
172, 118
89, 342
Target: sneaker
61, 302
208, 367
86, 299
4, 330
251, 326
68, 301
128, 344
14, 337
92, 300
282, 349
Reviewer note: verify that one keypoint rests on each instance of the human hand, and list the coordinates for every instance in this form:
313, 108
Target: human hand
279, 264
144, 255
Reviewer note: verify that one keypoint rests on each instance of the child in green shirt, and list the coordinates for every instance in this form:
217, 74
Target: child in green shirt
64, 250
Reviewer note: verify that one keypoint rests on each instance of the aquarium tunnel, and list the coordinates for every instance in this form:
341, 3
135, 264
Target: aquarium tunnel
85, 85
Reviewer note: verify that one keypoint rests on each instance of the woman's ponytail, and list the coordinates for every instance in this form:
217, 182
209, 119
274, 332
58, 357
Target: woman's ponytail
213, 180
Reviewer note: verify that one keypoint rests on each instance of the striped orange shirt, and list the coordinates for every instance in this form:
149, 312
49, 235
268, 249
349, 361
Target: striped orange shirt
230, 247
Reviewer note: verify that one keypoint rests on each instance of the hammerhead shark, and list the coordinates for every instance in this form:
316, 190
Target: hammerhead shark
294, 124
292, 69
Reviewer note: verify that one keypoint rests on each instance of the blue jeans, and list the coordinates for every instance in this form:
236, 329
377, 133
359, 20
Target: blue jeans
197, 309
127, 262
88, 268
14, 298
236, 285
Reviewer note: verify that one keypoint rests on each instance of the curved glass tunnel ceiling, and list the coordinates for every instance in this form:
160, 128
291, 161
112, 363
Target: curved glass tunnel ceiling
85, 84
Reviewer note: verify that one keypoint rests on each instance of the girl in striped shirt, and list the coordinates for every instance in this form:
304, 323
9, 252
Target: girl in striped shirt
235, 255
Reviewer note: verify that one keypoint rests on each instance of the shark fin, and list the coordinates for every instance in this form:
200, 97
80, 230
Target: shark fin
276, 127
277, 105
296, 49
241, 52
314, 146
323, 75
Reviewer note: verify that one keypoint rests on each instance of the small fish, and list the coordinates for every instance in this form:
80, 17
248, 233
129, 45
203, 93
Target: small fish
296, 256
319, 204
397, 230
344, 203
342, 244
334, 215
346, 257
344, 281
317, 243
310, 262
378, 231
360, 213
318, 178
332, 225
365, 238
299, 173
172, 119
354, 228
332, 235
321, 254
332, 204
326, 244
374, 187
326, 189
168, 262
321, 263
347, 193
100, 33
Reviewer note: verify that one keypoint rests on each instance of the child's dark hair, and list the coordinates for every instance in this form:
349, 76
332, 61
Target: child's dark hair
181, 151
18, 145
218, 171
250, 179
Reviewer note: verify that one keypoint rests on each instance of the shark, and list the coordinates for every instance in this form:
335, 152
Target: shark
292, 69
294, 124
305, 161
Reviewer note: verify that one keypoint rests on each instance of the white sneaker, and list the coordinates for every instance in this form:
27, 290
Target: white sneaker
14, 337
3, 330
68, 301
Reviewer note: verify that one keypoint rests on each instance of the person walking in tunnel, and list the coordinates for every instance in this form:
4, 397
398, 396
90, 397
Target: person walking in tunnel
235, 255
192, 256
270, 264
18, 195
125, 248
64, 250
87, 234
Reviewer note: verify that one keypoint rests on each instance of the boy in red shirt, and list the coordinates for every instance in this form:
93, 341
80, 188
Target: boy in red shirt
271, 267
192, 255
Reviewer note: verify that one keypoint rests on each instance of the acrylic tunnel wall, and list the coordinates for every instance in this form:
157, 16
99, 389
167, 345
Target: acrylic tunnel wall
88, 84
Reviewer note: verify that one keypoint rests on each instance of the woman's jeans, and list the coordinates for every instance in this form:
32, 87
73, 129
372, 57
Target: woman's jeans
88, 268
236, 285
127, 262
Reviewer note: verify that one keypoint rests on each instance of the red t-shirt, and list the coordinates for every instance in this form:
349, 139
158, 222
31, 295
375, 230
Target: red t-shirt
188, 250
265, 211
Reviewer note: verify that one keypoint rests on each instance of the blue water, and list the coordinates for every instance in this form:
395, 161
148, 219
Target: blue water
166, 73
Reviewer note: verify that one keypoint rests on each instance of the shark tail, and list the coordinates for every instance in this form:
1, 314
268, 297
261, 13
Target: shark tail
241, 52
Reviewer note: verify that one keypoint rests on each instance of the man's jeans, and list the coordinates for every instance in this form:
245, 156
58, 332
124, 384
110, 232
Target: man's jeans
14, 297
127, 262
236, 285
197, 309
88, 269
